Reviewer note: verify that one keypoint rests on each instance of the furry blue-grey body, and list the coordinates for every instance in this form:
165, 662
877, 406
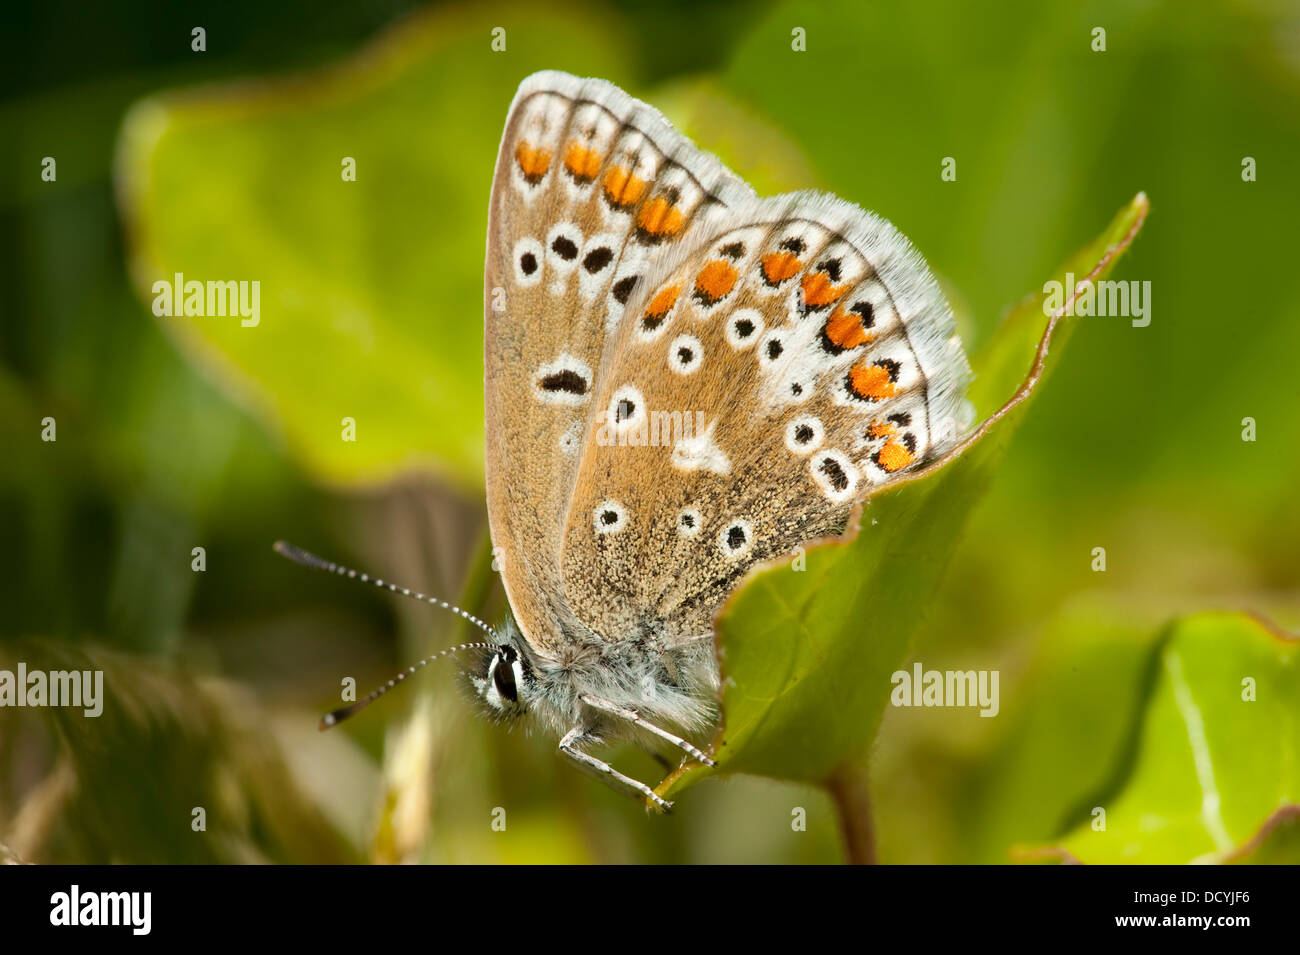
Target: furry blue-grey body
672, 685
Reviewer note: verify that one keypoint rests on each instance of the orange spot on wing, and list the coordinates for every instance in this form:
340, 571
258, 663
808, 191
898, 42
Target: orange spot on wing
715, 280
871, 382
532, 162
661, 303
583, 163
846, 329
818, 290
779, 266
881, 430
622, 188
894, 457
659, 218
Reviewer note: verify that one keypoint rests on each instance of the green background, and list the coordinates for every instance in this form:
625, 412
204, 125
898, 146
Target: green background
227, 438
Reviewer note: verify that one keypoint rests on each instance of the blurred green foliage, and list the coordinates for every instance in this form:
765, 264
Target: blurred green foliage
1213, 757
170, 438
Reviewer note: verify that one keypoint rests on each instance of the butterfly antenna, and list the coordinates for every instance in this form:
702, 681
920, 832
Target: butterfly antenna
339, 715
308, 559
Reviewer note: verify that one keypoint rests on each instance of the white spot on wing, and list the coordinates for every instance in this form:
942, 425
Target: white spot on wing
591, 283
528, 246
567, 236
685, 354
744, 327
689, 522
626, 410
701, 453
609, 517
804, 435
570, 441
822, 466
736, 539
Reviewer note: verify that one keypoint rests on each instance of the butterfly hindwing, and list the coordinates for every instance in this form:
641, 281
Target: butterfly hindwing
592, 188
766, 378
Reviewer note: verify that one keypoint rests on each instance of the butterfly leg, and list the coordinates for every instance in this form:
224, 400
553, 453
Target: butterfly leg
635, 718
569, 747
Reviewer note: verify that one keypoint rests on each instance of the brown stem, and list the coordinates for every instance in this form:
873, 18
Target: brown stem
848, 790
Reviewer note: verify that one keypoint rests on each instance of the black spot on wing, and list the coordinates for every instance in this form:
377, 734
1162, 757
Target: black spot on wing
623, 288
735, 537
834, 473
597, 259
566, 380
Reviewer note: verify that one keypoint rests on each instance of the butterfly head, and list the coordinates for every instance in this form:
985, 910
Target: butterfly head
504, 679
501, 672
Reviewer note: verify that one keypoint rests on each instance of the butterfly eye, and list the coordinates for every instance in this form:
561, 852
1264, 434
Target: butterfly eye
503, 674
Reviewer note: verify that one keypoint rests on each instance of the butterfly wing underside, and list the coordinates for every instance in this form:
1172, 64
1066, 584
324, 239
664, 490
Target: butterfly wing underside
591, 189
762, 382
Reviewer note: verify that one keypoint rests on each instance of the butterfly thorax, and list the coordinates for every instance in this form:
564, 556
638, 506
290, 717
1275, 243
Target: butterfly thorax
665, 681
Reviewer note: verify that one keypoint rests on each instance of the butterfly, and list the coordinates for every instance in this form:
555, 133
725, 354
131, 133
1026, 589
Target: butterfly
682, 380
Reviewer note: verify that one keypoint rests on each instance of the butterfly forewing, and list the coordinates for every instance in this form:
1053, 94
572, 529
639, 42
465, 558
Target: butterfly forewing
591, 190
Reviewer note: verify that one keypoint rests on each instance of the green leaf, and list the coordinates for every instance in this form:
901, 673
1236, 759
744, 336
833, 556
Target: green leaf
1214, 774
1068, 700
371, 291
807, 655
